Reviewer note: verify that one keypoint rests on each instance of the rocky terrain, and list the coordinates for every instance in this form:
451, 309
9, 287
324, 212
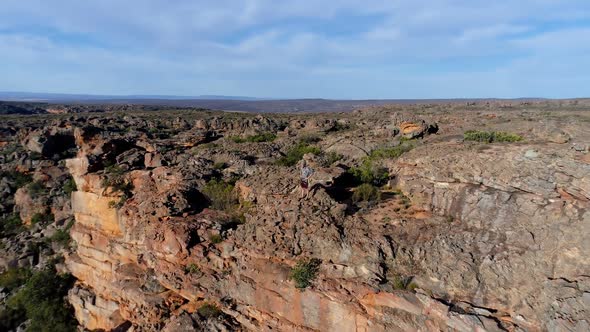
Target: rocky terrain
434, 217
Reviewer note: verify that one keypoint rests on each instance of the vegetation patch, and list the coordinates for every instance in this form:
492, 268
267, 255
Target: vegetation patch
69, 186
41, 301
491, 136
219, 165
215, 238
11, 225
304, 272
293, 155
34, 155
209, 310
36, 189
42, 218
390, 153
192, 268
370, 172
19, 179
366, 193
403, 283
116, 180
331, 157
258, 138
221, 195
13, 278
62, 236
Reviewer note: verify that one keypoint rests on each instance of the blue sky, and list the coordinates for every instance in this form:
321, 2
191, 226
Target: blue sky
293, 49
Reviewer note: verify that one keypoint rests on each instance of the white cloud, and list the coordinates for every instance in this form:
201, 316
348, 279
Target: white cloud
287, 48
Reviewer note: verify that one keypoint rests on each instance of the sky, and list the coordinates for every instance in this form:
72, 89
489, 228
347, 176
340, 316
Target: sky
340, 49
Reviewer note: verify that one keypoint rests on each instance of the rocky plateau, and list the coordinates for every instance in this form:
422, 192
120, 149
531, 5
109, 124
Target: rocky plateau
426, 217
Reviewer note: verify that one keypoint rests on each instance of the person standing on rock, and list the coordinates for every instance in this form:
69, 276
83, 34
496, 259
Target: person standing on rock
306, 173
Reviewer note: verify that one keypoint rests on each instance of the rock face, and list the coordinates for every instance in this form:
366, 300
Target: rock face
520, 213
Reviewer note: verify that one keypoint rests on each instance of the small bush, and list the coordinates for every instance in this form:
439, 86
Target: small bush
209, 145
115, 179
41, 300
113, 169
62, 237
309, 139
370, 172
34, 155
340, 126
366, 193
209, 310
19, 179
219, 165
304, 272
390, 153
69, 186
42, 218
221, 195
13, 278
332, 157
11, 225
36, 189
296, 153
490, 136
258, 138
403, 283
215, 238
192, 268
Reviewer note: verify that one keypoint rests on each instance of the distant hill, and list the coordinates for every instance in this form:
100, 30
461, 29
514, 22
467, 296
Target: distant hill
22, 108
26, 103
65, 97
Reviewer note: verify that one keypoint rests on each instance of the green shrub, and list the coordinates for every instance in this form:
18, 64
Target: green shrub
366, 193
403, 283
115, 179
293, 155
61, 237
41, 300
42, 218
339, 126
69, 186
11, 225
370, 172
221, 195
209, 145
258, 138
390, 153
309, 139
19, 179
215, 238
332, 157
304, 272
13, 278
34, 155
192, 268
209, 310
405, 139
36, 189
113, 169
237, 139
219, 165
490, 136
